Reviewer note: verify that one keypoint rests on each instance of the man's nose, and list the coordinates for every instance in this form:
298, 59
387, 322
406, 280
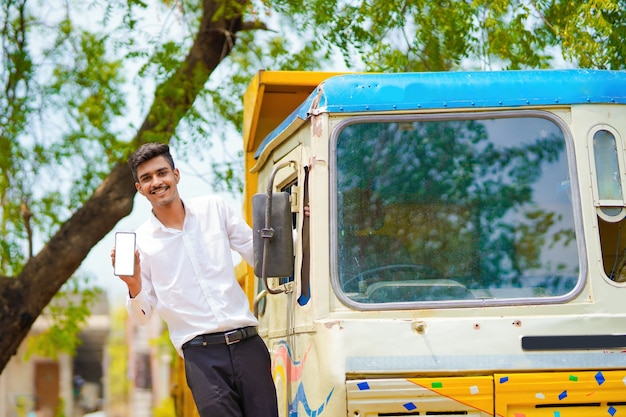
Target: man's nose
156, 181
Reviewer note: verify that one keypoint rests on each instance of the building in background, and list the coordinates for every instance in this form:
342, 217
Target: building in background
74, 386
150, 356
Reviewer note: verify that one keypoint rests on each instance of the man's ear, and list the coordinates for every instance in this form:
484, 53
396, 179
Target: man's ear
138, 187
176, 175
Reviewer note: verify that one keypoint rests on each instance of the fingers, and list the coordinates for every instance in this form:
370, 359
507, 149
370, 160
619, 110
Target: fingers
137, 273
133, 282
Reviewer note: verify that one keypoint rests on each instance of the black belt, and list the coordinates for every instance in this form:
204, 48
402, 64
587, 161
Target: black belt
233, 336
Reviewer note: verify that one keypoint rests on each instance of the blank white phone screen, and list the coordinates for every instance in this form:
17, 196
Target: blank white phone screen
124, 253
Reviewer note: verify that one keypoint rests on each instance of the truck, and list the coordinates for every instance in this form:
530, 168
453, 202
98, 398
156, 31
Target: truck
439, 243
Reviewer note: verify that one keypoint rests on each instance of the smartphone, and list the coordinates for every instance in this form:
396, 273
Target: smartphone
124, 253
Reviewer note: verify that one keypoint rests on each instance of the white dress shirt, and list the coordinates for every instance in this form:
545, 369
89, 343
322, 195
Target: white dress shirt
188, 275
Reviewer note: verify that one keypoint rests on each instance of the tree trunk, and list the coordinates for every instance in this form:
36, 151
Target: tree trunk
23, 298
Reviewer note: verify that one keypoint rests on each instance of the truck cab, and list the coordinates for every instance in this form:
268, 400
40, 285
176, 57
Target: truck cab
439, 243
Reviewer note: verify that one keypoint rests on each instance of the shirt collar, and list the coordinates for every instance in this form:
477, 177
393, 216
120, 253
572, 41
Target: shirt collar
156, 224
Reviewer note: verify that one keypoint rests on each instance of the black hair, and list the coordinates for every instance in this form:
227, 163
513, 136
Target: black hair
147, 152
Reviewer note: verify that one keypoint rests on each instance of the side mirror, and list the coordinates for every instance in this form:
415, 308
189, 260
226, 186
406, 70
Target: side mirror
272, 237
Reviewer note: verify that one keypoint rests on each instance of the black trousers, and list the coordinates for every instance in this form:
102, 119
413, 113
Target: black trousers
231, 380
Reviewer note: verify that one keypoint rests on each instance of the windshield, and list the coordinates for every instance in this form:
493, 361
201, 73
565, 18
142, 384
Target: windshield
445, 210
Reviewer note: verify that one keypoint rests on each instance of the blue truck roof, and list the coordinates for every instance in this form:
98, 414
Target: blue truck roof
375, 92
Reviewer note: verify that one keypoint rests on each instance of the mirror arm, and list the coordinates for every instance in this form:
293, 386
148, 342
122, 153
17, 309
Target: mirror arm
257, 300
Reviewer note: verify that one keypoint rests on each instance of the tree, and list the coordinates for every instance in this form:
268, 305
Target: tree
89, 87
63, 136
481, 34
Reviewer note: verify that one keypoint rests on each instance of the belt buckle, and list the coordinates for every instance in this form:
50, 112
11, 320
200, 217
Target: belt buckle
228, 335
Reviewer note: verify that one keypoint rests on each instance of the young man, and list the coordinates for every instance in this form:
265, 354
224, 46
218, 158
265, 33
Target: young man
184, 272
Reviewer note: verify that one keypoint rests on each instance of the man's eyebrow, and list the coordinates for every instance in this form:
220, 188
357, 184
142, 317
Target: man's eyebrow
148, 174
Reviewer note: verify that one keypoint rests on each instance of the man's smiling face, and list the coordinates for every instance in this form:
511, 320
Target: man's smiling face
158, 181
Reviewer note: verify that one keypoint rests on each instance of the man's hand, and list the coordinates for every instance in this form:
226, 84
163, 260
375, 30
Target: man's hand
132, 281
